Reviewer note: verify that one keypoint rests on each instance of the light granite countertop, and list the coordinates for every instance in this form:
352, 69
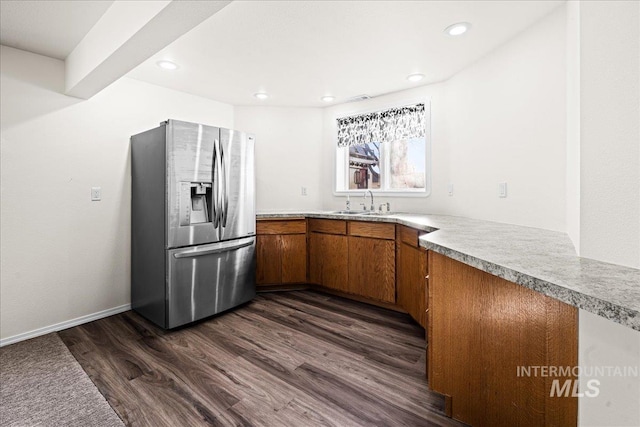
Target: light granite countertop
542, 260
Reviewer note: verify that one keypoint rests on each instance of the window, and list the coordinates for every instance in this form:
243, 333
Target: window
384, 151
364, 166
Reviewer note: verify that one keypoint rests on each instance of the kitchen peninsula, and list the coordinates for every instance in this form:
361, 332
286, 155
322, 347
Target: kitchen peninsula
493, 292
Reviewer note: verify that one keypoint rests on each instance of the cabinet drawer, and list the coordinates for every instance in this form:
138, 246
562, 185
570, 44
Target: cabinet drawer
408, 235
330, 226
296, 226
376, 230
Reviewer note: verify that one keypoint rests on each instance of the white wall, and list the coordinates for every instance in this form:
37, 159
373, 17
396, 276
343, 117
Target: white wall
573, 124
610, 131
609, 219
506, 118
501, 119
288, 142
63, 256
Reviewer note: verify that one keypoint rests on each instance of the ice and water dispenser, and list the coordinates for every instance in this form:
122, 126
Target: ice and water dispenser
195, 202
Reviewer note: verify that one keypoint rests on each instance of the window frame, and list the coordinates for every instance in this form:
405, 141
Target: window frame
341, 154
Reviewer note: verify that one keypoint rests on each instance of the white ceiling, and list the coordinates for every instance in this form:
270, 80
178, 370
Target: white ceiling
50, 28
297, 51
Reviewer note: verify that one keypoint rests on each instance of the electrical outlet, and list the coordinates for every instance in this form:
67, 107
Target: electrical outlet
450, 189
502, 189
96, 194
303, 191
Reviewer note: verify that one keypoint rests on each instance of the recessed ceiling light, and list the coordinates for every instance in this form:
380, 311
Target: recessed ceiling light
457, 29
416, 77
261, 95
167, 65
328, 98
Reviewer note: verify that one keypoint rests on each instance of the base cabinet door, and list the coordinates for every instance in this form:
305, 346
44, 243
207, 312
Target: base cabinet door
328, 259
281, 252
372, 268
315, 258
268, 260
294, 258
411, 281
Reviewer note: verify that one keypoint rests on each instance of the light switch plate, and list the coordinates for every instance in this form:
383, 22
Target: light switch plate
450, 189
502, 189
96, 194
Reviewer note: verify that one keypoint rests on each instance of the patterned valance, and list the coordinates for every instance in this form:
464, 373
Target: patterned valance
382, 126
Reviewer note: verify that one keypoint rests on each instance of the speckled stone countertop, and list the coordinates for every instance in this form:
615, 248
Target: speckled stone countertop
542, 260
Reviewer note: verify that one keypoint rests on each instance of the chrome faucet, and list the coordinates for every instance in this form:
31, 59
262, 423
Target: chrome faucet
364, 206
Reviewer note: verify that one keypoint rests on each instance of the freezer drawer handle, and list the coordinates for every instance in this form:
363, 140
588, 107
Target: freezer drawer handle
219, 248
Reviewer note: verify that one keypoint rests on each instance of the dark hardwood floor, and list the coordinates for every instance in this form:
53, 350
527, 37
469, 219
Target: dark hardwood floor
285, 359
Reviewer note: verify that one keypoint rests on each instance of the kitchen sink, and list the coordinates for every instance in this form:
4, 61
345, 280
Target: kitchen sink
353, 212
376, 213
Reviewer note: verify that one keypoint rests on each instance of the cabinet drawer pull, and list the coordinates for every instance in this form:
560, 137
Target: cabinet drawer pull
426, 277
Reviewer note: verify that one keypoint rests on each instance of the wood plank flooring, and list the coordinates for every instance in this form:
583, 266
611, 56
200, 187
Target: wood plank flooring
285, 359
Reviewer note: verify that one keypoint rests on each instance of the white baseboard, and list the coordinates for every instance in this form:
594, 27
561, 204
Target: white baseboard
65, 325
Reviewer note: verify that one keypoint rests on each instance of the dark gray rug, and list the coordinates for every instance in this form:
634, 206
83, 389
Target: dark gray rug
42, 384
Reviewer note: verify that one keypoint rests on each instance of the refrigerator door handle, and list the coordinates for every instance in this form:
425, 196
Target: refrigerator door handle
216, 184
225, 189
216, 248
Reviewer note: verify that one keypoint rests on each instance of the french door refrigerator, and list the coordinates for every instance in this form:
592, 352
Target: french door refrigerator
192, 222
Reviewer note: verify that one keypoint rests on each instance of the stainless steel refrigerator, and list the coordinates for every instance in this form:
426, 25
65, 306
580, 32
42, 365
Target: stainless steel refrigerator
192, 222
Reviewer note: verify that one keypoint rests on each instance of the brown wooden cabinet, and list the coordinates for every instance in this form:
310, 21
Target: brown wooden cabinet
481, 328
354, 257
411, 272
281, 252
372, 261
268, 260
328, 254
294, 258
